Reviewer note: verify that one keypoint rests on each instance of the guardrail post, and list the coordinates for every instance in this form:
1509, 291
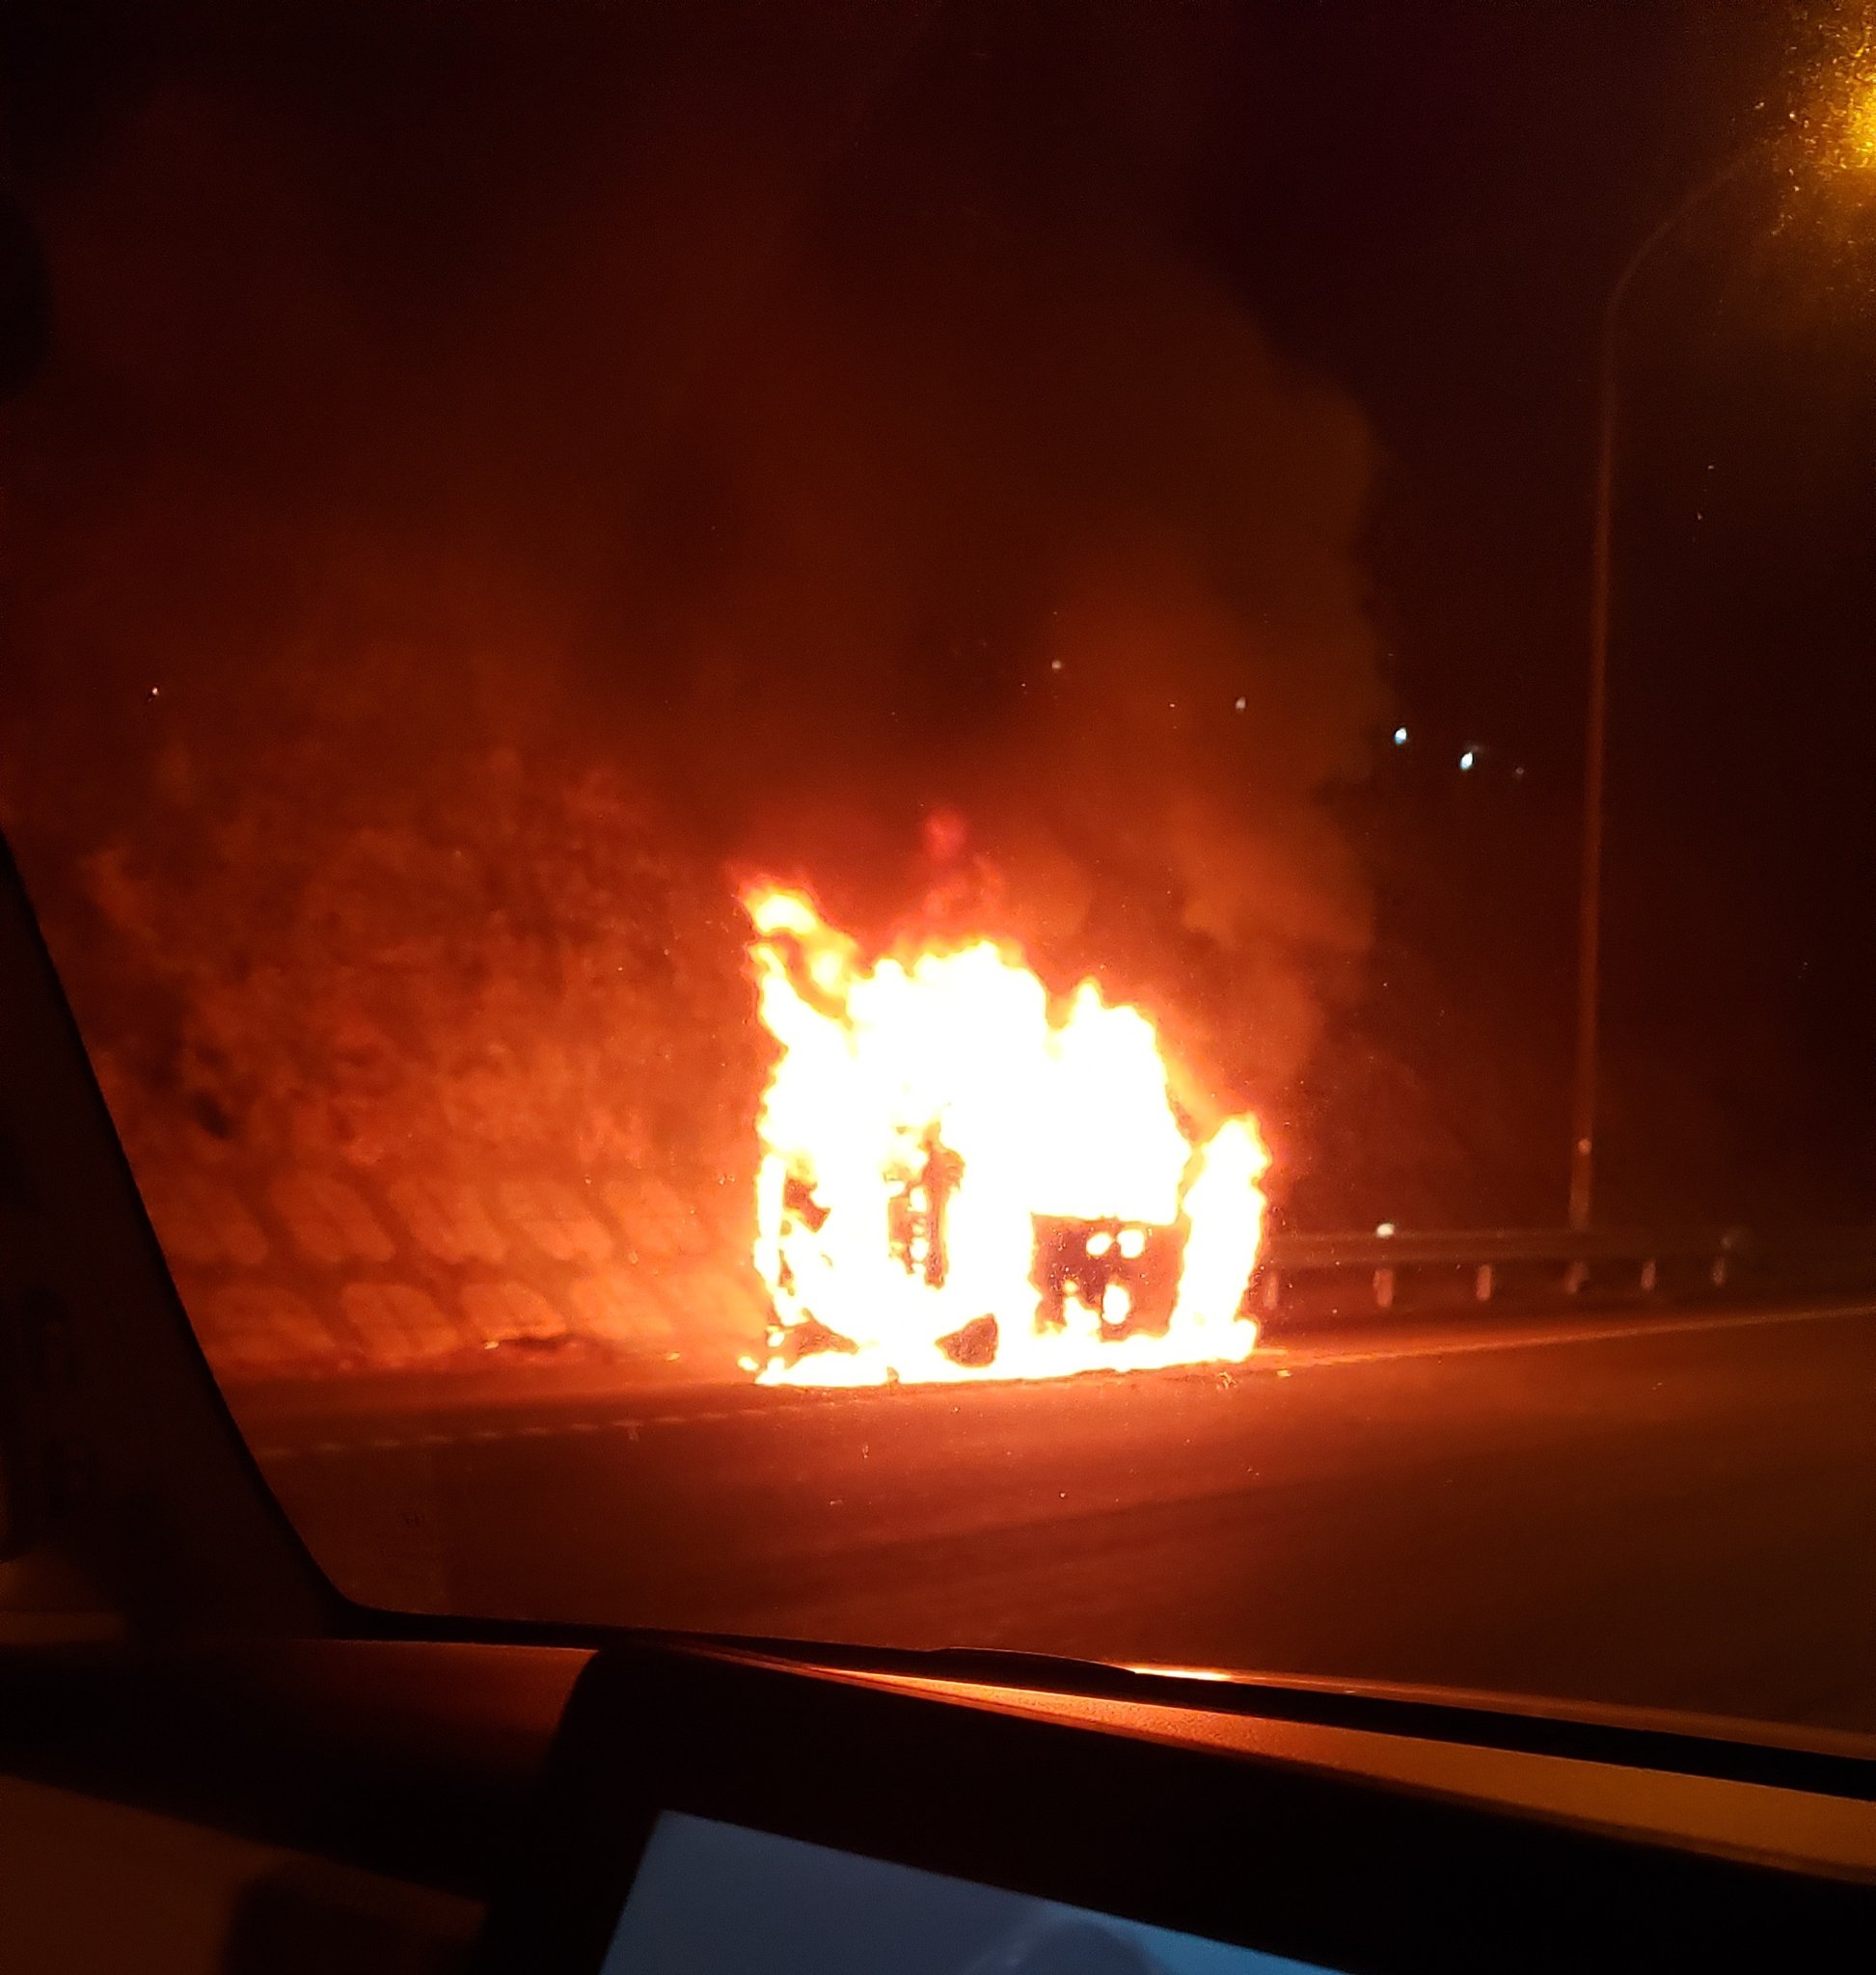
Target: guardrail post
1543, 1261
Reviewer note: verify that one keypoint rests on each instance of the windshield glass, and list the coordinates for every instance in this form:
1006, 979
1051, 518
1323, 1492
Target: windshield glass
816, 787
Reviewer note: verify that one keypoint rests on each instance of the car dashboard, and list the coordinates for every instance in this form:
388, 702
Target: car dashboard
731, 1810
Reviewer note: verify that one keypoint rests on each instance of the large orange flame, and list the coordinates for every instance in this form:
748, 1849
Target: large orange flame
958, 1182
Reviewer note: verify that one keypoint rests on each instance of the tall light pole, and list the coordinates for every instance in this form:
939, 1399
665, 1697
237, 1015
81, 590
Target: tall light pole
1588, 950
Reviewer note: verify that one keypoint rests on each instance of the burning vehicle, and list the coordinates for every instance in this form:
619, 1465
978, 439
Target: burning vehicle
963, 1179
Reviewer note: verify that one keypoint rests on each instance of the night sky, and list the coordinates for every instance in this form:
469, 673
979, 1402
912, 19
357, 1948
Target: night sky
754, 403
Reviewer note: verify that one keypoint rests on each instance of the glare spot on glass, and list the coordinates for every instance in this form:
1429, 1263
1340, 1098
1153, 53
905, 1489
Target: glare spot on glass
1187, 1672
1240, 703
1399, 737
1467, 758
1384, 1228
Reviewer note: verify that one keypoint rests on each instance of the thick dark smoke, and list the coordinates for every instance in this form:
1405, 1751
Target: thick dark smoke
486, 495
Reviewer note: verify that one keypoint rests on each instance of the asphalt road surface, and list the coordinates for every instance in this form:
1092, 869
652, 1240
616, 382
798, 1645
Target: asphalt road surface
1674, 1513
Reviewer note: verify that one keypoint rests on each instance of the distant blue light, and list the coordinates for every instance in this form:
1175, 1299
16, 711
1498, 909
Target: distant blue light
1399, 737
1467, 758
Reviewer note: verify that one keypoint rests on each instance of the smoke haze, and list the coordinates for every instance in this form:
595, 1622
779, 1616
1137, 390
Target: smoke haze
487, 495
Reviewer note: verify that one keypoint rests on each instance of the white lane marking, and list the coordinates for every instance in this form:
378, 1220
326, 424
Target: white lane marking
1283, 1360
1304, 1358
479, 1436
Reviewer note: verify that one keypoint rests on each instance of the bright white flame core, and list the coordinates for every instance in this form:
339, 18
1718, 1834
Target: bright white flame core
944, 1093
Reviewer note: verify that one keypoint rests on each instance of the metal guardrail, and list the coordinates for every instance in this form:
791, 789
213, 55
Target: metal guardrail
1290, 1250
1645, 1260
